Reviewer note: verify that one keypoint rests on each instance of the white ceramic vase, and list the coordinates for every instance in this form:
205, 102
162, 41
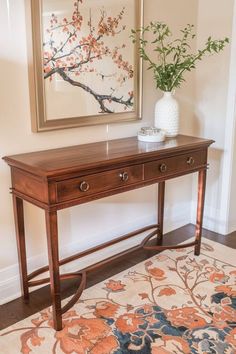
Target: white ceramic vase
167, 114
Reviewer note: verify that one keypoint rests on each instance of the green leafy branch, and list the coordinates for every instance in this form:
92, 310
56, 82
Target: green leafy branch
173, 57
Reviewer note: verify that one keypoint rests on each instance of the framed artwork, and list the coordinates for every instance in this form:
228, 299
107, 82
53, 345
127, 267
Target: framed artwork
84, 68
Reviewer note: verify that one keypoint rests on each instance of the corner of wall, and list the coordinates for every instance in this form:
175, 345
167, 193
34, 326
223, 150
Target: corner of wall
217, 210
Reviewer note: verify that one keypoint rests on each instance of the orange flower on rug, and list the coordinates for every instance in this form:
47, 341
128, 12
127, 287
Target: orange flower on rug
173, 303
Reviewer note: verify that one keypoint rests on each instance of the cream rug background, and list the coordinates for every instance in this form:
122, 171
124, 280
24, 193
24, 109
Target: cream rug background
171, 303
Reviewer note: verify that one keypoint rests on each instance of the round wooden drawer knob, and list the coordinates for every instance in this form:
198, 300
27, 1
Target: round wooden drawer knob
190, 161
84, 186
124, 176
163, 168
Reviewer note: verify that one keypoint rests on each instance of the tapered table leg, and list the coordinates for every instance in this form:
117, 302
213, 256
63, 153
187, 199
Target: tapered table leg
200, 209
21, 248
160, 216
53, 257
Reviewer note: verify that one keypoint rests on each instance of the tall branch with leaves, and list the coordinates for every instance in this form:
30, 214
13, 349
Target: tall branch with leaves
173, 57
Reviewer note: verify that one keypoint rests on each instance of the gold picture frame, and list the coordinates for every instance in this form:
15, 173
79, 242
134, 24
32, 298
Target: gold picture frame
56, 38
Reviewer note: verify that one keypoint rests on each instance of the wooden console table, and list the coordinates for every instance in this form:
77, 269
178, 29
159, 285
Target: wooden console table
61, 178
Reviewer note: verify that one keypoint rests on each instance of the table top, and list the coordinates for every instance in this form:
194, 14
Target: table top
80, 157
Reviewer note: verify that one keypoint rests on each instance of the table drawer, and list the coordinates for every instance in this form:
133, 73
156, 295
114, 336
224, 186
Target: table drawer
177, 164
99, 182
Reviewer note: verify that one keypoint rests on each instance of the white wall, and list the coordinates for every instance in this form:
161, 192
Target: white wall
212, 108
231, 156
230, 143
232, 205
76, 229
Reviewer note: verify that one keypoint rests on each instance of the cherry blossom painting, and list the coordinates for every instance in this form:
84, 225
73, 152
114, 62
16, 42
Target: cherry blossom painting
86, 68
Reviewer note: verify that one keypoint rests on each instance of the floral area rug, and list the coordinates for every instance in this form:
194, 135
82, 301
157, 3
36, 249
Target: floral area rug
172, 303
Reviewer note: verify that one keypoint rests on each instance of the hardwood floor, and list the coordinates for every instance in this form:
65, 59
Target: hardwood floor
17, 310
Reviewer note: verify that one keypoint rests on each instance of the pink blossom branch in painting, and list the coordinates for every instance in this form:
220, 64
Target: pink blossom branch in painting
75, 46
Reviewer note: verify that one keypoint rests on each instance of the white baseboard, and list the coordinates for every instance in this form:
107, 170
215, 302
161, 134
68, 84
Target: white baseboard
232, 226
212, 220
9, 277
